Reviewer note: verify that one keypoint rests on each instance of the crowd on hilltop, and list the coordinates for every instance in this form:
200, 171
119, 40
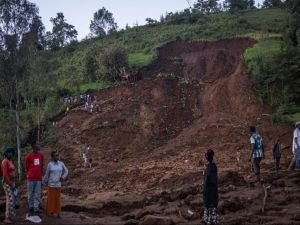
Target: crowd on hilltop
56, 172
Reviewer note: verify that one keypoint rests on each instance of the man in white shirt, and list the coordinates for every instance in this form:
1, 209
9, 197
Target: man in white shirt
296, 144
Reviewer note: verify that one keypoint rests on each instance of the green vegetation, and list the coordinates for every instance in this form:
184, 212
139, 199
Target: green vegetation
94, 86
275, 68
294, 117
139, 60
141, 42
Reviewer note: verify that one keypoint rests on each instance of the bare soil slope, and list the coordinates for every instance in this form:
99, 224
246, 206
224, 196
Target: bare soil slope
148, 144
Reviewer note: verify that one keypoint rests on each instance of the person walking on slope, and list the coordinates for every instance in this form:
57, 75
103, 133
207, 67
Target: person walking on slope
55, 173
277, 155
34, 163
296, 139
8, 182
210, 189
257, 151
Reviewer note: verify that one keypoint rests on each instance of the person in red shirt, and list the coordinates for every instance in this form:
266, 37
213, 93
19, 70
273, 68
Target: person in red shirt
8, 181
34, 163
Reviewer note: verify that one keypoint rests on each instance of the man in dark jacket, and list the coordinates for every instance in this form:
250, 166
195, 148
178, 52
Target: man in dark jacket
210, 190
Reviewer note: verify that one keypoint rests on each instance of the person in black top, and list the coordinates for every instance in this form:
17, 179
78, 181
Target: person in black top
210, 189
277, 155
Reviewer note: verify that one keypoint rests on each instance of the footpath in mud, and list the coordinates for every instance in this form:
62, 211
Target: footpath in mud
147, 145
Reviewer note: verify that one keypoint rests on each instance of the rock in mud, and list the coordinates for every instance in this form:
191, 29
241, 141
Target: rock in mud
132, 222
157, 220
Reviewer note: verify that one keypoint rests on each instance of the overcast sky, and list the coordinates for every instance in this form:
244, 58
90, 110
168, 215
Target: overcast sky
80, 12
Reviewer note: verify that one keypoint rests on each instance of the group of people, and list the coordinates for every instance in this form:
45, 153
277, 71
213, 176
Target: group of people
88, 100
257, 154
90, 104
55, 173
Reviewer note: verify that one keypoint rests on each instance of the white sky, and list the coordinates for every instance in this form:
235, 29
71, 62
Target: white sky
79, 13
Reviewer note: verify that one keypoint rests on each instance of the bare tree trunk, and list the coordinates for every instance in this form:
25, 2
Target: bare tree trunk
18, 130
38, 121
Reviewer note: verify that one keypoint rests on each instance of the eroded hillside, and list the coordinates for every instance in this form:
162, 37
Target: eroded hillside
148, 143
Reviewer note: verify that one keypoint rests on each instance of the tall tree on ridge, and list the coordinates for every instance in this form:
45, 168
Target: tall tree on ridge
62, 33
103, 23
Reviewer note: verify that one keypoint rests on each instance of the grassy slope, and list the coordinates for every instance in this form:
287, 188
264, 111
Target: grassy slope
141, 42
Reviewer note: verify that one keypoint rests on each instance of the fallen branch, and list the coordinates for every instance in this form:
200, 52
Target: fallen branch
266, 191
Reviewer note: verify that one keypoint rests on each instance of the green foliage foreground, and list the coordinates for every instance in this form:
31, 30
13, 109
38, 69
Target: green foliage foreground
275, 71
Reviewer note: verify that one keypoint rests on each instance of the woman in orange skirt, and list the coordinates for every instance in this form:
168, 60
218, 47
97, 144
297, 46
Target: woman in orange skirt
55, 173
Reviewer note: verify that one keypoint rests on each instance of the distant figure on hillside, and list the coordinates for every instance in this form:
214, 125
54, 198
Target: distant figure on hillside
277, 155
210, 189
295, 146
82, 150
56, 172
238, 157
90, 162
67, 110
85, 159
257, 151
86, 106
34, 163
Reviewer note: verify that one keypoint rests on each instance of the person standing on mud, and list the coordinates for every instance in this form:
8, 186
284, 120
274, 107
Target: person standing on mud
277, 155
8, 182
257, 151
56, 172
34, 163
210, 189
296, 147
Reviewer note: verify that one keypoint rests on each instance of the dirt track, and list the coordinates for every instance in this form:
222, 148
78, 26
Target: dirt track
148, 144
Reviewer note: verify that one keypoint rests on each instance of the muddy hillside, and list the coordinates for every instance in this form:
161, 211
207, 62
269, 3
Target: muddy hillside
148, 141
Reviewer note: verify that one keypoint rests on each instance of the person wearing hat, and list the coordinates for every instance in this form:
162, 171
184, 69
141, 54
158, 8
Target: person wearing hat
34, 163
296, 147
8, 182
210, 189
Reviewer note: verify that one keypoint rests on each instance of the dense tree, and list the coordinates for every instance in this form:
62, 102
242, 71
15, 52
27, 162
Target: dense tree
150, 20
235, 5
62, 33
18, 25
272, 3
103, 23
294, 23
39, 85
276, 77
111, 61
206, 6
